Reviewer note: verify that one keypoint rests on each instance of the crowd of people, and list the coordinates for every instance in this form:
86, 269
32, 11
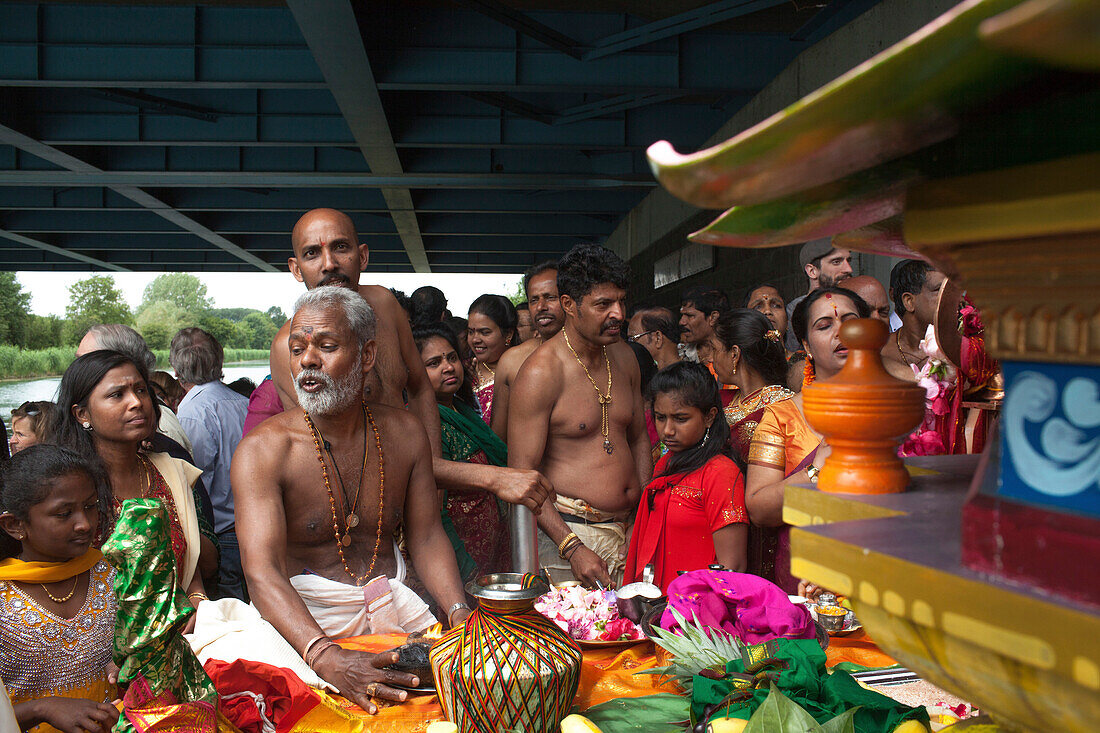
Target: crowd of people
371, 475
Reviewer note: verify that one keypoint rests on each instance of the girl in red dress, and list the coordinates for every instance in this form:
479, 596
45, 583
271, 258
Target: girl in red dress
692, 514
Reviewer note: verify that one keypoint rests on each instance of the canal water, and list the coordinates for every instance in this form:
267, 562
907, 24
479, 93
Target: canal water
13, 394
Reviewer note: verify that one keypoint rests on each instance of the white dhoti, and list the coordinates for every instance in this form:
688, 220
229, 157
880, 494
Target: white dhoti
383, 606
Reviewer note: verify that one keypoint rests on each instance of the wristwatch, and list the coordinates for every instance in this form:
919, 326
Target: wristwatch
813, 471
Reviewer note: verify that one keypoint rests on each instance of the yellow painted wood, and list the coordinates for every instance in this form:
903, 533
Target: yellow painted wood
1054, 197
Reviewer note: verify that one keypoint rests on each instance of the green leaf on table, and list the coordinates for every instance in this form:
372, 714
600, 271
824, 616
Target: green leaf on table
843, 723
780, 714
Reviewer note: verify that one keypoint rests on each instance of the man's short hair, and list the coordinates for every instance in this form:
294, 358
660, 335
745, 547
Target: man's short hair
705, 299
125, 340
427, 305
538, 269
588, 265
524, 306
907, 276
659, 318
196, 356
357, 312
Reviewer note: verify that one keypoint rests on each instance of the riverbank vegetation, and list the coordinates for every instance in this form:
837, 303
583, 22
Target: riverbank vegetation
17, 363
34, 345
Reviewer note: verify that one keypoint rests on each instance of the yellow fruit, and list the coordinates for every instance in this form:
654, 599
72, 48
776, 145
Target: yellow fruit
442, 726
911, 726
578, 724
726, 725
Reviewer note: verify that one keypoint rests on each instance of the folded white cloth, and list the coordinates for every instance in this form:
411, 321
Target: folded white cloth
229, 629
383, 606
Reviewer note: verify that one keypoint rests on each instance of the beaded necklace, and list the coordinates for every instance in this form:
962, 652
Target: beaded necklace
603, 399
61, 600
345, 541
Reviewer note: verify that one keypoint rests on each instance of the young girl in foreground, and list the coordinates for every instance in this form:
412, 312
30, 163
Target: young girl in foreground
57, 609
693, 512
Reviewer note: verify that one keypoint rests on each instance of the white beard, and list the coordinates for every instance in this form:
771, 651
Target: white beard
336, 394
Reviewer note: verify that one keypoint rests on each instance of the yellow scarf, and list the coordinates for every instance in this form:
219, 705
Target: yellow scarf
48, 572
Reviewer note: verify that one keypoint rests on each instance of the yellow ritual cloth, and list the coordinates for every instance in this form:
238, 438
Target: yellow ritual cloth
48, 572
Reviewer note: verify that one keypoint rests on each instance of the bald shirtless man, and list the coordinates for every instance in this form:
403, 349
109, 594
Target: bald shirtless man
316, 516
916, 291
576, 414
540, 283
327, 251
873, 293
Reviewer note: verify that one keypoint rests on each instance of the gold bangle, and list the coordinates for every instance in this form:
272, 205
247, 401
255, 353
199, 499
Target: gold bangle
566, 552
317, 651
565, 540
198, 595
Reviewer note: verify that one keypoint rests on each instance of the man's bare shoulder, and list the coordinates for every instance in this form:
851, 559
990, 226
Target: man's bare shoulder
543, 368
380, 298
281, 336
514, 357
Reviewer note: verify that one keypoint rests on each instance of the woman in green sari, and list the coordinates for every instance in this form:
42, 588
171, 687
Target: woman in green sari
478, 520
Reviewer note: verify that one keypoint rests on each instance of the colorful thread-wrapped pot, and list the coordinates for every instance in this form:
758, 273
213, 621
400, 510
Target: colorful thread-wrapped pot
507, 667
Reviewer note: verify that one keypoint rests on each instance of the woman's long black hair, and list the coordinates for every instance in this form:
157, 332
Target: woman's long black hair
421, 335
77, 384
26, 479
747, 329
693, 385
499, 310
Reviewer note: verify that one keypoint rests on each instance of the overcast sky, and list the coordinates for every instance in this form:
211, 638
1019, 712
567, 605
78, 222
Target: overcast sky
50, 290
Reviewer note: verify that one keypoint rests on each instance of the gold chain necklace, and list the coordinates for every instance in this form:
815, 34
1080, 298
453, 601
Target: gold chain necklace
603, 399
345, 541
57, 600
904, 355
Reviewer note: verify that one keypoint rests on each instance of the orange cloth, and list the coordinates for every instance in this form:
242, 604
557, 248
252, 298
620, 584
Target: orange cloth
48, 572
857, 647
606, 673
783, 438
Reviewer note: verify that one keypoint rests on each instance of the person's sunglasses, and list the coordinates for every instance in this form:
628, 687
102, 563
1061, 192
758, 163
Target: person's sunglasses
30, 409
634, 338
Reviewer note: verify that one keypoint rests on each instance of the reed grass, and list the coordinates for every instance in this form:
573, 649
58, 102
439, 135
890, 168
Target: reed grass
17, 363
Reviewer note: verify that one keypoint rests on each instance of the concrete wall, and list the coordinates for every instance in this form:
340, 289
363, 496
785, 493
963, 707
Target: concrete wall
660, 223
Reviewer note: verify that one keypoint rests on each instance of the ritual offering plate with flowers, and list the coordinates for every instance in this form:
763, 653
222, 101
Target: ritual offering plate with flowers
590, 617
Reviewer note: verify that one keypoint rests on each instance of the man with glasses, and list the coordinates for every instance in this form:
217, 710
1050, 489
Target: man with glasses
655, 328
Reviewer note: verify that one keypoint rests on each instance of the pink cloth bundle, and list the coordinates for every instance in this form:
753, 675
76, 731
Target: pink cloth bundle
747, 606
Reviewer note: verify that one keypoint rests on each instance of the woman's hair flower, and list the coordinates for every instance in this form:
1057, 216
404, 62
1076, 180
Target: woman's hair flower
772, 336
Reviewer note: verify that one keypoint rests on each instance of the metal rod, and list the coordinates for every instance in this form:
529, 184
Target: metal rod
525, 548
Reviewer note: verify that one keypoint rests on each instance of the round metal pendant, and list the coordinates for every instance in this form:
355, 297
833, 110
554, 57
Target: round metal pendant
346, 540
351, 520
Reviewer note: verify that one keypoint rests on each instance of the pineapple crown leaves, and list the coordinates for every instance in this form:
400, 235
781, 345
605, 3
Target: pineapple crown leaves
780, 714
696, 648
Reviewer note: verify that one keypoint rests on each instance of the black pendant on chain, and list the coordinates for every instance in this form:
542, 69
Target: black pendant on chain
607, 446
351, 521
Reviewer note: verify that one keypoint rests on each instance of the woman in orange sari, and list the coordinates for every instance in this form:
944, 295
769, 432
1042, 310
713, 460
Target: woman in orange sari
57, 610
784, 448
748, 352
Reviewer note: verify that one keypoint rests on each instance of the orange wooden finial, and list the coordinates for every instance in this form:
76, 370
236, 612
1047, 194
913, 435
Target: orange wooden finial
863, 412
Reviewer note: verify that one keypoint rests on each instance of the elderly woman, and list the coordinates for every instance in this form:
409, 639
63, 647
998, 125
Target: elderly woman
106, 411
766, 300
28, 424
784, 448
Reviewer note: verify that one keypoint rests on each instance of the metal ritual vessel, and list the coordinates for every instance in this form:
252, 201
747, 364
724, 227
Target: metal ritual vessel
507, 667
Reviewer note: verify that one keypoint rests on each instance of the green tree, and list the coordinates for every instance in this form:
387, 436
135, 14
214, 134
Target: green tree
275, 313
14, 310
262, 330
43, 332
222, 329
94, 300
518, 295
181, 289
158, 322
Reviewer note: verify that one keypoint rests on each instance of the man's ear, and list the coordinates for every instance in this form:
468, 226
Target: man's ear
569, 305
811, 271
370, 350
364, 256
908, 300
292, 264
712, 318
658, 339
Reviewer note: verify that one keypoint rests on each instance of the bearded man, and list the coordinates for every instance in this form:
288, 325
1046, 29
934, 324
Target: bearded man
825, 266
576, 415
319, 490
540, 283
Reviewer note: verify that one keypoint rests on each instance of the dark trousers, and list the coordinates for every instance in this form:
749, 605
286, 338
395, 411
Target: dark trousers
231, 582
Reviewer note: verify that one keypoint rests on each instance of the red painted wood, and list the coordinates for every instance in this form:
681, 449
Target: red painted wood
1056, 552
